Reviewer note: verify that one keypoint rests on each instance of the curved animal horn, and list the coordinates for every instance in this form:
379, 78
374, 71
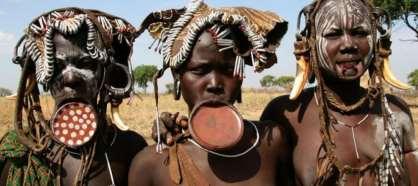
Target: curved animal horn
302, 75
390, 78
116, 119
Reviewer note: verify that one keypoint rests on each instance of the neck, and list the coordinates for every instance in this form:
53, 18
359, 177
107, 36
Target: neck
347, 92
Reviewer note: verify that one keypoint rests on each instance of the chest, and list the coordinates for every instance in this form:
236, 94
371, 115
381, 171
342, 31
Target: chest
355, 146
99, 172
258, 167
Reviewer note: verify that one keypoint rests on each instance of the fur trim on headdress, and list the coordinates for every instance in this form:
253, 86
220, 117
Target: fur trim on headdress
263, 30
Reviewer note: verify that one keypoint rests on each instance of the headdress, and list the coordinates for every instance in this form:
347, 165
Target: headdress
387, 165
179, 29
35, 52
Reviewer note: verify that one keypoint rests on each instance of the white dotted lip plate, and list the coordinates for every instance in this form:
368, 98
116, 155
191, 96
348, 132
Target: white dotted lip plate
74, 124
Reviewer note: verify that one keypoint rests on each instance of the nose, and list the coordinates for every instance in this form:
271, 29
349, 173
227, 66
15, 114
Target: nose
71, 77
348, 46
215, 85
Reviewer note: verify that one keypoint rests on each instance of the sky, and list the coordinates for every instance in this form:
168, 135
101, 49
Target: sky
15, 15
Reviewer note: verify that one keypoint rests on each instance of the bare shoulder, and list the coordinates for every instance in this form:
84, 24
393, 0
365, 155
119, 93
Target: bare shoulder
401, 111
276, 108
145, 165
398, 104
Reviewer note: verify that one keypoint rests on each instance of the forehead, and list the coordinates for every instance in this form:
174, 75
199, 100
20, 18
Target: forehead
66, 46
342, 13
206, 51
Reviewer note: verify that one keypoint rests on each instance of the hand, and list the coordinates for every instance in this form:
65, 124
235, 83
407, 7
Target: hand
171, 125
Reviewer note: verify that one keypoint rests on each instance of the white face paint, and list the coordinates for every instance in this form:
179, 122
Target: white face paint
343, 37
77, 75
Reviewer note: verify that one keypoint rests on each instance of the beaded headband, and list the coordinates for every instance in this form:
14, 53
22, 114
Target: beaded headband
38, 41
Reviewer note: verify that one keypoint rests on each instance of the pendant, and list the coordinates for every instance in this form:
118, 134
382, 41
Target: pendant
355, 143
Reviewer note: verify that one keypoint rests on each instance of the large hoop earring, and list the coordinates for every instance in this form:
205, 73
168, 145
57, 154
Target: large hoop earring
121, 86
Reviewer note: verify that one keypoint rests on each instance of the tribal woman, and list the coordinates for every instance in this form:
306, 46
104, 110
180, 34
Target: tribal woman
342, 133
207, 50
82, 58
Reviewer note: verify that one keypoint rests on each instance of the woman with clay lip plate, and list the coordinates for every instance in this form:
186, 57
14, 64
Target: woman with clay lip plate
81, 57
207, 49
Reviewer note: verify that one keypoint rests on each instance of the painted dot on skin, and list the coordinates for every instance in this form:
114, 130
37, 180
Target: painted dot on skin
65, 131
75, 118
62, 139
77, 127
65, 118
94, 125
78, 111
57, 133
81, 132
72, 113
91, 133
92, 116
73, 134
71, 125
72, 106
86, 139
87, 109
85, 116
70, 142
88, 121
64, 125
84, 126
78, 142
81, 120
56, 125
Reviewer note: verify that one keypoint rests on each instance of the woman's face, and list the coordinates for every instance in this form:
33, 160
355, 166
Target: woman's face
77, 77
209, 74
344, 39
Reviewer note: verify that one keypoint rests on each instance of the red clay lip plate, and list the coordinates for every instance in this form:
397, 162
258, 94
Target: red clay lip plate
74, 124
216, 125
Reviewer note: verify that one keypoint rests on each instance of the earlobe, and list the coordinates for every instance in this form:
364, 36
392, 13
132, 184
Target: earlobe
176, 88
239, 95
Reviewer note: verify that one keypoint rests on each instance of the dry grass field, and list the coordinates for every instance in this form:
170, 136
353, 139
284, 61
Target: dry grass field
141, 112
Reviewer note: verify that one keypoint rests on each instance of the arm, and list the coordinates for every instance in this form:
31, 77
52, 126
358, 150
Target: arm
409, 146
274, 114
411, 152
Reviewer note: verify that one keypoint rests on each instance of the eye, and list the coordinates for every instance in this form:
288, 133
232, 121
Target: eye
87, 63
334, 34
199, 70
360, 33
